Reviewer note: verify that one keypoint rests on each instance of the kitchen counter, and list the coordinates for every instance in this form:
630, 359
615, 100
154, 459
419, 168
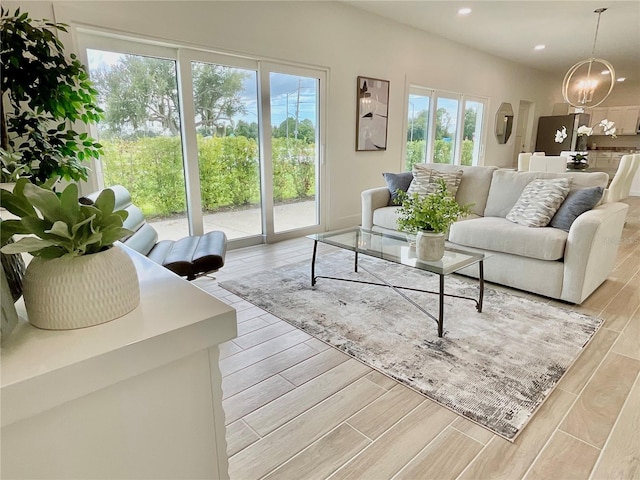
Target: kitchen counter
137, 397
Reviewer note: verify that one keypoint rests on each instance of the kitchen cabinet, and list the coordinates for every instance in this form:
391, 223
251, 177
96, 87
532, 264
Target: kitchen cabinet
629, 121
626, 119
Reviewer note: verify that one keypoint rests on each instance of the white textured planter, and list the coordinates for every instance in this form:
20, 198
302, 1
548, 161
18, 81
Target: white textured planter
429, 246
76, 292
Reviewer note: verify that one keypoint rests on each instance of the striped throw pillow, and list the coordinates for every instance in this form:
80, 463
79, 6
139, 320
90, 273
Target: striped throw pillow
425, 180
539, 202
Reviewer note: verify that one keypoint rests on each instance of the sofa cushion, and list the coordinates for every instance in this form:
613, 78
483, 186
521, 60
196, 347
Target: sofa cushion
539, 202
395, 182
576, 203
474, 184
507, 186
425, 180
500, 235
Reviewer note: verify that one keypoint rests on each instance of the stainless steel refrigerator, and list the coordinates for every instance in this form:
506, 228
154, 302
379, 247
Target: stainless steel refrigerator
548, 126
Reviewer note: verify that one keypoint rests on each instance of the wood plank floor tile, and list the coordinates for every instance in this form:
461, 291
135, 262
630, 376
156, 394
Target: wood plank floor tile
505, 460
628, 343
273, 450
314, 366
288, 406
580, 372
623, 305
249, 313
228, 348
599, 404
259, 371
566, 458
243, 359
239, 436
249, 326
473, 430
391, 451
317, 344
443, 459
323, 457
377, 417
239, 405
270, 318
620, 457
385, 382
261, 335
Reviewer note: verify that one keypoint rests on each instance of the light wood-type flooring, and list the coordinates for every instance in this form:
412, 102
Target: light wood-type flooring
298, 409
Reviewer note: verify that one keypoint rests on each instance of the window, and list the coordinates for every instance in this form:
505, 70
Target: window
449, 132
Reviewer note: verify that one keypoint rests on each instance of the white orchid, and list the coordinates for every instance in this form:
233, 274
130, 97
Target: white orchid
608, 127
561, 135
584, 130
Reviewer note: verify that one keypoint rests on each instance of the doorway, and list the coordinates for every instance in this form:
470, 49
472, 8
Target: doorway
523, 131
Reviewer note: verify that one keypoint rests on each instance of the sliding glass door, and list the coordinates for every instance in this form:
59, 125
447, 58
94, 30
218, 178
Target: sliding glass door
294, 150
205, 141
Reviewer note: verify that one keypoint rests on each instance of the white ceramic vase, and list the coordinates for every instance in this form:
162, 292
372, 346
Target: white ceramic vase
77, 292
429, 246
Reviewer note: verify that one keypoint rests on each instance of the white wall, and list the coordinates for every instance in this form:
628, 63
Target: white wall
348, 42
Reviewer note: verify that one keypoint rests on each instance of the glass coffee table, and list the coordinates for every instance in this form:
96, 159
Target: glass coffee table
396, 248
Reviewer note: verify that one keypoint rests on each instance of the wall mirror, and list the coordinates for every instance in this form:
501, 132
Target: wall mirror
504, 122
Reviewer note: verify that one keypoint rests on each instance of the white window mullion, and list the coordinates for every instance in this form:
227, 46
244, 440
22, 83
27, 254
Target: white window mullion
189, 144
266, 172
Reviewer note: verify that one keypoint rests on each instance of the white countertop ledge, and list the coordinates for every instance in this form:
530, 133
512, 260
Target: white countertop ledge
41, 369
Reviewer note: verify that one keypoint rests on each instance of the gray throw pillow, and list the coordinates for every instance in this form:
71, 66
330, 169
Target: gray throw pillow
395, 182
576, 203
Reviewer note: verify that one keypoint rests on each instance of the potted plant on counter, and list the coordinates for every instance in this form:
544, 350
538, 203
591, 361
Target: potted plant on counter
78, 277
429, 217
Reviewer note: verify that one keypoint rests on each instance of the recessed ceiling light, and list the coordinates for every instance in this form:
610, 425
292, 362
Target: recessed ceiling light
622, 79
539, 47
464, 11
605, 72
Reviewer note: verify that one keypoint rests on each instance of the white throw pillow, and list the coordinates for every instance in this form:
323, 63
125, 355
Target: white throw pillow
539, 202
425, 180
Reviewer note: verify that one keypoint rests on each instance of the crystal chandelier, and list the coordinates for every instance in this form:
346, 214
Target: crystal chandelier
578, 89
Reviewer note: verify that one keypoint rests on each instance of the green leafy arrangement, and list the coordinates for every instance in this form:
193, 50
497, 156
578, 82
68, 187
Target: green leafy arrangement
45, 92
60, 224
433, 213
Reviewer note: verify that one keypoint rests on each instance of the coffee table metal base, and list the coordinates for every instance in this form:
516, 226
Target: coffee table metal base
397, 288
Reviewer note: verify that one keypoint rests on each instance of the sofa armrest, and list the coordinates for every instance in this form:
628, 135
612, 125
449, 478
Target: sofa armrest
592, 247
371, 199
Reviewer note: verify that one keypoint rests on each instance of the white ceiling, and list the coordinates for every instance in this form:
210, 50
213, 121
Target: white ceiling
510, 29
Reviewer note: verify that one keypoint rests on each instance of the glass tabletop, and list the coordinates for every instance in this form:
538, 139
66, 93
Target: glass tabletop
395, 247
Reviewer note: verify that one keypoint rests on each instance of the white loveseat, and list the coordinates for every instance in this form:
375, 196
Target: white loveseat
546, 261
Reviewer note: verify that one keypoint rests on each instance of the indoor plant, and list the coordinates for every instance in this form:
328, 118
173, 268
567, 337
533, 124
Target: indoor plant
43, 93
429, 216
78, 277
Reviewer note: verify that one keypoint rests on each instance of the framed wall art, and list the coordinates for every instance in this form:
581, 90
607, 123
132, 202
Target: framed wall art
372, 110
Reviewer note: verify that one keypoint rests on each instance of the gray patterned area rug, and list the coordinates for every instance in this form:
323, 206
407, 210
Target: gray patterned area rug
495, 367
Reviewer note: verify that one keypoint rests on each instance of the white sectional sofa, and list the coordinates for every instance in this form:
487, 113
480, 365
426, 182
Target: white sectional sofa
546, 261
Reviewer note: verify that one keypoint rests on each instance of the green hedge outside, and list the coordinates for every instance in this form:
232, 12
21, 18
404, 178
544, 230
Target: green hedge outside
442, 152
151, 168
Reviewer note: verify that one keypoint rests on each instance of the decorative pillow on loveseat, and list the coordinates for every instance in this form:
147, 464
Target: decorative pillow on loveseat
395, 182
425, 180
539, 202
576, 203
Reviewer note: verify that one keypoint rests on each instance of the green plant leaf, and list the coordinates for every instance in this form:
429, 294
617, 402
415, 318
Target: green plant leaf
45, 201
26, 245
106, 201
60, 229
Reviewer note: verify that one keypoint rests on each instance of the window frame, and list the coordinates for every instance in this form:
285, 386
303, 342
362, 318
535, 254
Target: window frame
462, 99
